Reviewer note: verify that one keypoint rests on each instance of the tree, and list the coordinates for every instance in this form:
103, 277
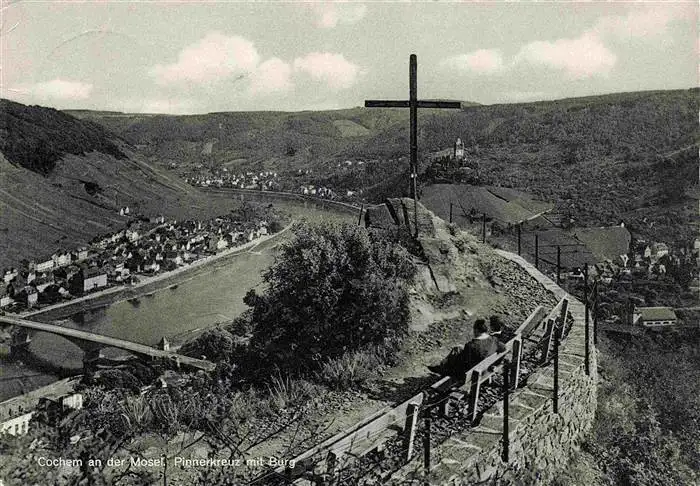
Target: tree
332, 289
216, 344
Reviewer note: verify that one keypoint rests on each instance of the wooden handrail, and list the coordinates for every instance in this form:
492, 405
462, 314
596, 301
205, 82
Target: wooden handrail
390, 421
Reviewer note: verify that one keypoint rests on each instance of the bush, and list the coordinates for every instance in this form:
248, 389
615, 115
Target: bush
285, 391
215, 344
646, 423
353, 369
332, 290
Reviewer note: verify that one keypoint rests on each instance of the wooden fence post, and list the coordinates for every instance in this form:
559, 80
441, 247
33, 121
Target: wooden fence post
555, 402
537, 251
519, 231
359, 218
585, 322
426, 446
410, 430
474, 395
595, 313
558, 264
549, 331
517, 356
563, 312
450, 212
506, 399
444, 409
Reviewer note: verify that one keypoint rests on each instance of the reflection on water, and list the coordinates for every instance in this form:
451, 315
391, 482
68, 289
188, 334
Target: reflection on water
202, 301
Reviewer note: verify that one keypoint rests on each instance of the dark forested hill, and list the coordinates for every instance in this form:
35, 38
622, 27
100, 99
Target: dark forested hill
601, 159
63, 181
35, 137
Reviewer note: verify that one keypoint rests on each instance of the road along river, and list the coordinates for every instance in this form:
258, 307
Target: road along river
194, 301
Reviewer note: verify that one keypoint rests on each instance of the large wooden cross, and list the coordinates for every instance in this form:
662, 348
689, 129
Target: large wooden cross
413, 103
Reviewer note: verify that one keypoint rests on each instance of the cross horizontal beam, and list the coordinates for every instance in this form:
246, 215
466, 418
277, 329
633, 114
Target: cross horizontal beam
406, 104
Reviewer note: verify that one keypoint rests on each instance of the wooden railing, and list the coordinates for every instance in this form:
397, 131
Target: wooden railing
373, 432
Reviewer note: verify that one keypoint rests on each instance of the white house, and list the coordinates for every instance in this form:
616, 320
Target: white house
62, 259
9, 275
45, 265
5, 298
18, 425
94, 278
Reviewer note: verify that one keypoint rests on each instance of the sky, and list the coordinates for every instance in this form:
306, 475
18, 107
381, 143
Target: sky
197, 57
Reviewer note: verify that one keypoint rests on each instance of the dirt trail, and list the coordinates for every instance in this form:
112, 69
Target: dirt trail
482, 284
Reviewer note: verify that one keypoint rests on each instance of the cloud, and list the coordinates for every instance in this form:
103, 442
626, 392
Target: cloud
648, 22
581, 58
213, 58
273, 75
59, 89
482, 61
329, 15
333, 69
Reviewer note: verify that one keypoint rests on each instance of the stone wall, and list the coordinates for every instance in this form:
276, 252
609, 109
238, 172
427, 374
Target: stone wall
541, 441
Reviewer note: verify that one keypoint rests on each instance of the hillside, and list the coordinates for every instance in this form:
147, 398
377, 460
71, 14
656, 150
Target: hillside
600, 159
63, 181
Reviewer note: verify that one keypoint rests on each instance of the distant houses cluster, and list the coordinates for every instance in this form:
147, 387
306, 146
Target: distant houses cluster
145, 248
648, 260
264, 181
324, 192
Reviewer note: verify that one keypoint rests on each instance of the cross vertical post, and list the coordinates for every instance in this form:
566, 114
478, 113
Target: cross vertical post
413, 109
413, 103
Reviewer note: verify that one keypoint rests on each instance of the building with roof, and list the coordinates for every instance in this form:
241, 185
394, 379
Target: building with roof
87, 280
16, 413
654, 317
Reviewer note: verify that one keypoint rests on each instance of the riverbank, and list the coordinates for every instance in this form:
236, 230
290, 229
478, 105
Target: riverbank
178, 308
145, 286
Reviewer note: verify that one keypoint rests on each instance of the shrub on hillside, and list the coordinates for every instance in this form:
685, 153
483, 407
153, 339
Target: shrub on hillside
332, 289
353, 369
646, 424
215, 344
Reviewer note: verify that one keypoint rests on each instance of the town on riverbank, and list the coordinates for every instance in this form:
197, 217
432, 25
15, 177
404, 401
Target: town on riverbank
148, 248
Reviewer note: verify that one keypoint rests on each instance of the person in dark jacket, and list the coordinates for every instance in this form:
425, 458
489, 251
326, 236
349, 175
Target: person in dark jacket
499, 330
461, 360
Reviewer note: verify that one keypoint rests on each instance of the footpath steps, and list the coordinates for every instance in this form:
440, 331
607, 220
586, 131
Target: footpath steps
473, 454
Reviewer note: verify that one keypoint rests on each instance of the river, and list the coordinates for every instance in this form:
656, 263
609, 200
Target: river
197, 302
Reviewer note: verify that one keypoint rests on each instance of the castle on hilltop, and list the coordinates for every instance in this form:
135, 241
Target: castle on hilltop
459, 150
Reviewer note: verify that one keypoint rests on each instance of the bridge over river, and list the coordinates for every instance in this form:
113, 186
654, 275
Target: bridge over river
91, 343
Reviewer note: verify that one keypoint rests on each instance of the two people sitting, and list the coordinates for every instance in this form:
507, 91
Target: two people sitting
460, 360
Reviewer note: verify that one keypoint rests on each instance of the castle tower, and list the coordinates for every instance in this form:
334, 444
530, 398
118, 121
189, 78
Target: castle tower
459, 150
